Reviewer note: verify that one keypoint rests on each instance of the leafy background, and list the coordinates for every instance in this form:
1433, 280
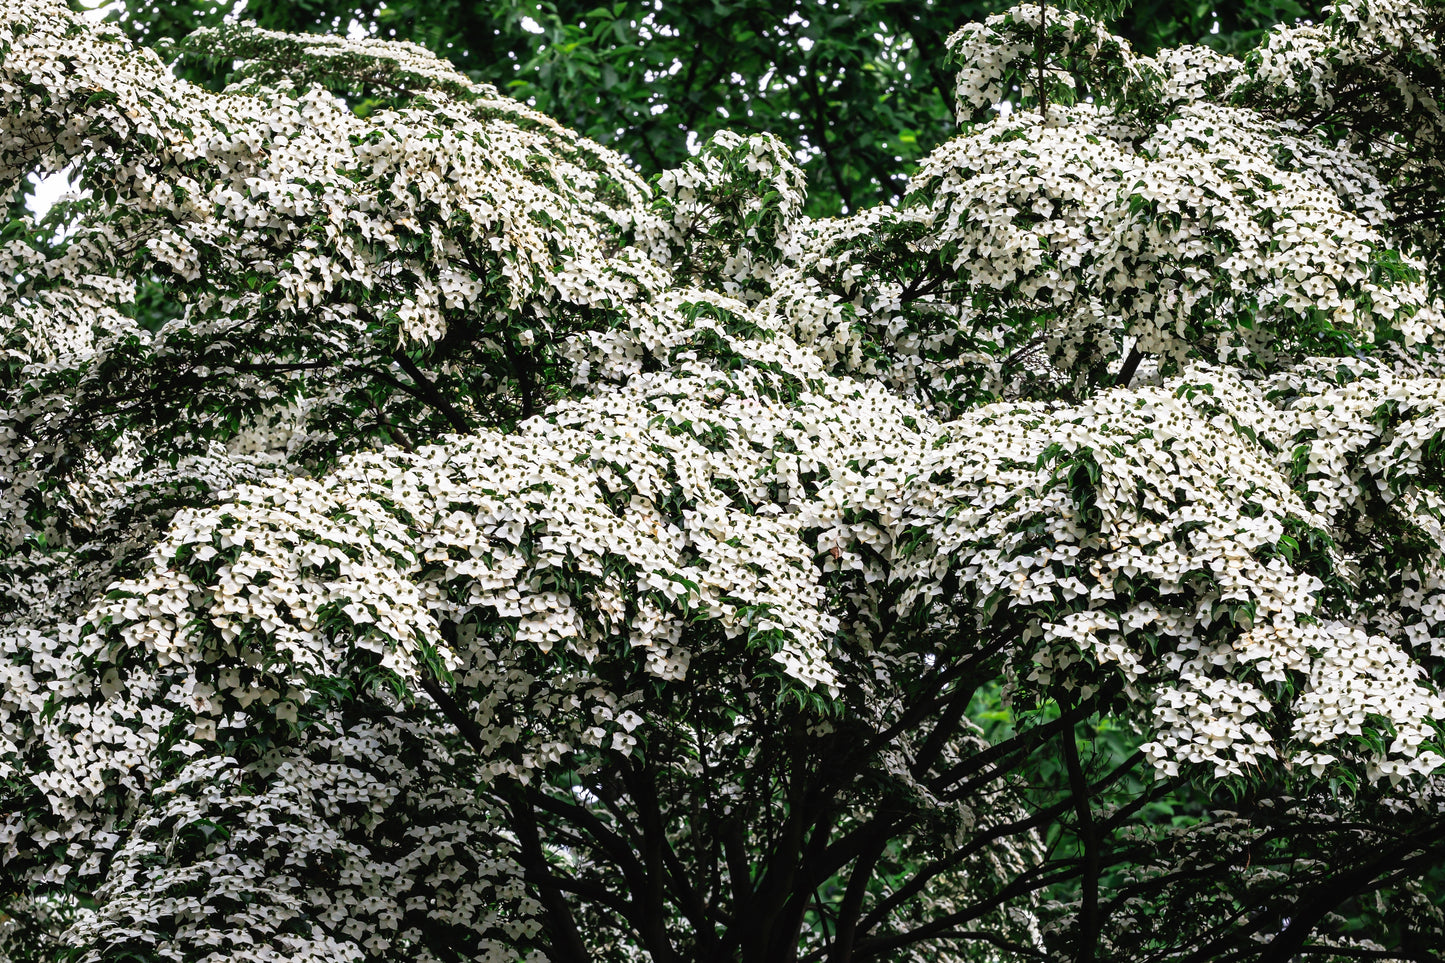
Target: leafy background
859, 88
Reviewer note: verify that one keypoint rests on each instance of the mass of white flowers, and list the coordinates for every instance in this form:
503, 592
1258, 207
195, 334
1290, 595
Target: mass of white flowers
489, 555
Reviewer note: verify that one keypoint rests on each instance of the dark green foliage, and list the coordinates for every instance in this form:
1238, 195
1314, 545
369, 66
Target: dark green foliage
860, 87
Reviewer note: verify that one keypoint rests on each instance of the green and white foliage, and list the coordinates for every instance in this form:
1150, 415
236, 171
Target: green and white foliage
496, 557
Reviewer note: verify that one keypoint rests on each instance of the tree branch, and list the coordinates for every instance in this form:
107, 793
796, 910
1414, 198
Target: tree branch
1127, 369
1088, 837
427, 391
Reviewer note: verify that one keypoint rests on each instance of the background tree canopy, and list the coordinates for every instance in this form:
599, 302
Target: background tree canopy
860, 90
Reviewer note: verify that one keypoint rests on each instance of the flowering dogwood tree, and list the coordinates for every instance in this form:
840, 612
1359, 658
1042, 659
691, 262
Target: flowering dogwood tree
484, 554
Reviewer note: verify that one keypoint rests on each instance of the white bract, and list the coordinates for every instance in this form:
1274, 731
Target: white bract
484, 554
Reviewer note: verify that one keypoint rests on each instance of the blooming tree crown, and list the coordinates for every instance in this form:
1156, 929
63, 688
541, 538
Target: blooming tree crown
466, 474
